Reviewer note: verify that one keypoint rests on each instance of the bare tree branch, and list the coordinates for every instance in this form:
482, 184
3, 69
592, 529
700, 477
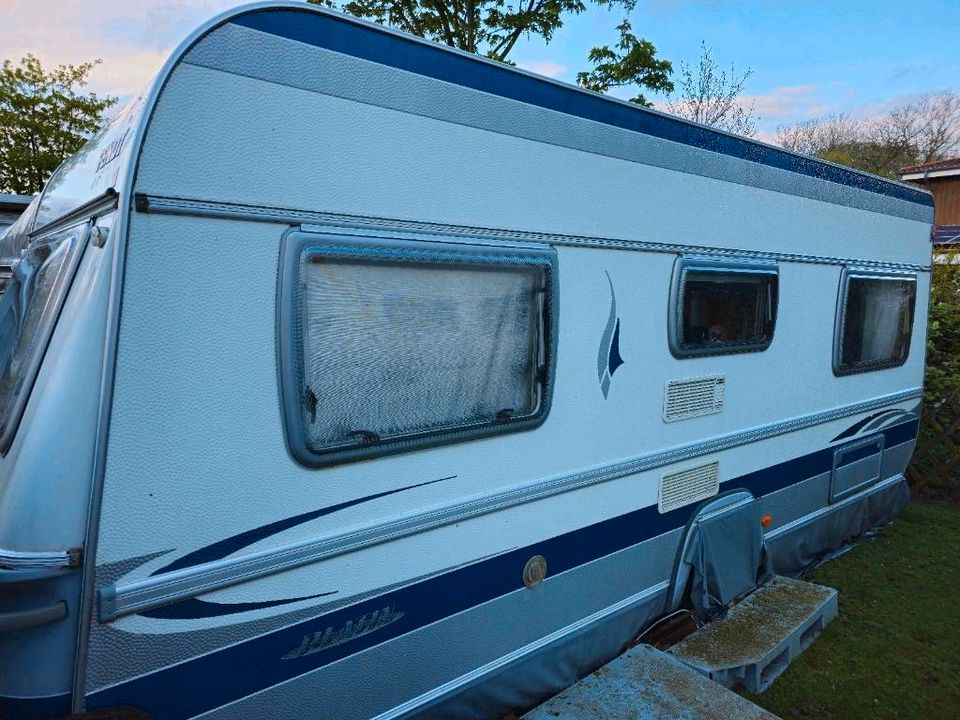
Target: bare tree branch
709, 95
919, 131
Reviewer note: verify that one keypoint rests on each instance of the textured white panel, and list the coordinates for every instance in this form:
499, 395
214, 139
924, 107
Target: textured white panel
687, 486
693, 397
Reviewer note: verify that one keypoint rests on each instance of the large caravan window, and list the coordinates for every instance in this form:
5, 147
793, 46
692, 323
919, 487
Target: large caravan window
29, 307
722, 307
390, 346
875, 321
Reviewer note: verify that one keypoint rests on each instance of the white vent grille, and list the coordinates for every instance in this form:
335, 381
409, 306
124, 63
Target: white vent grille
687, 486
693, 397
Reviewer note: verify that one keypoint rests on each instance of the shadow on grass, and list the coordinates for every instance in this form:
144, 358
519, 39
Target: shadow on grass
894, 650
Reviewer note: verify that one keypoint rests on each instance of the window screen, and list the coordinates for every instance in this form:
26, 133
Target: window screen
29, 307
876, 322
723, 308
399, 345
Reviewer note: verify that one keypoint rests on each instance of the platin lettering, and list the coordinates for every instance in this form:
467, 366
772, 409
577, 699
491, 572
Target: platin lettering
331, 637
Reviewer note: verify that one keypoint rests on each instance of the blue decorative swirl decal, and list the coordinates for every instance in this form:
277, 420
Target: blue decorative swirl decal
194, 608
874, 422
608, 356
235, 543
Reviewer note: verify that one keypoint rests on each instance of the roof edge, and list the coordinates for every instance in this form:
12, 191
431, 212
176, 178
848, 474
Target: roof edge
127, 155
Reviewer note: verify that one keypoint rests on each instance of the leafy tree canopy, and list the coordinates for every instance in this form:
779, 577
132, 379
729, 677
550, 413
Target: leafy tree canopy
493, 28
635, 64
486, 27
44, 117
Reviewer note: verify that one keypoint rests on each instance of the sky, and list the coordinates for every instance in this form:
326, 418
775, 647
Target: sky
809, 57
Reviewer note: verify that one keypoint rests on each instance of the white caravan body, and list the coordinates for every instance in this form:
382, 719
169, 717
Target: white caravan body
349, 376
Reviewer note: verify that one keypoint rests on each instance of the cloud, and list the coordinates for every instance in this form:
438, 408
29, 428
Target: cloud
784, 103
544, 67
132, 37
788, 102
767, 136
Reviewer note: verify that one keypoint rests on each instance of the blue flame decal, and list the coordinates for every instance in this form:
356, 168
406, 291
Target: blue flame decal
608, 356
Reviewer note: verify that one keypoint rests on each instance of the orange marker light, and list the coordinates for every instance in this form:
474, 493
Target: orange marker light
766, 520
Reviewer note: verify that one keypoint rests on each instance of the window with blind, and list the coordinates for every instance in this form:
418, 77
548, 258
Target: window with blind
874, 322
721, 307
390, 346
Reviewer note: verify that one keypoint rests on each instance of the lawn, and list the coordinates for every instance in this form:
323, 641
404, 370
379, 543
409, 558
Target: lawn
894, 650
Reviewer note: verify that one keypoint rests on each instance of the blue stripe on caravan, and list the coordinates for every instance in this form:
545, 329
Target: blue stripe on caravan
434, 61
215, 679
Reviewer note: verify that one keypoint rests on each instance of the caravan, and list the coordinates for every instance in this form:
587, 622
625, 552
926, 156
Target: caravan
346, 375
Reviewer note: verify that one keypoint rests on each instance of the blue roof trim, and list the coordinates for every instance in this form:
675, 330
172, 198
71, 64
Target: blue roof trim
432, 60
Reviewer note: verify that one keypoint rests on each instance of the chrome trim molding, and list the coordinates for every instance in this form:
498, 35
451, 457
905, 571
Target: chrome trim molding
117, 601
27, 560
453, 687
327, 221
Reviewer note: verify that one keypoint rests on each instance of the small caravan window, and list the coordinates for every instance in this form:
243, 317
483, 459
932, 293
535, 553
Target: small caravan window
875, 321
31, 301
722, 307
392, 345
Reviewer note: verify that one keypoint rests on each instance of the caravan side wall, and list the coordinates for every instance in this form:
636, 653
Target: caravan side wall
234, 581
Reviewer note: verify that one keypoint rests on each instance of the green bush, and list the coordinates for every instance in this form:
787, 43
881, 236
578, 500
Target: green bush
935, 471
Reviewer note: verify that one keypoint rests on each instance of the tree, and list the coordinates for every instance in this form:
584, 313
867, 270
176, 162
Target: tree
44, 118
485, 27
812, 137
493, 27
848, 141
935, 469
919, 131
636, 64
710, 96
929, 127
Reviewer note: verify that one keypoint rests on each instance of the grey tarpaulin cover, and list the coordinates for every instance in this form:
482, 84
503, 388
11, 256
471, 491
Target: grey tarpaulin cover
722, 555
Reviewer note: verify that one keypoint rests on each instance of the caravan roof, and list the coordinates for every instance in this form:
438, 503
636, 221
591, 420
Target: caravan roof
108, 162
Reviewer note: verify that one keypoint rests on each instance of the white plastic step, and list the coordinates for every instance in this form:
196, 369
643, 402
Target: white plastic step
761, 635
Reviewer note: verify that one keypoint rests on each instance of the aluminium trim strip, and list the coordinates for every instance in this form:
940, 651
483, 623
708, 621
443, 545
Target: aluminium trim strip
117, 601
453, 686
237, 211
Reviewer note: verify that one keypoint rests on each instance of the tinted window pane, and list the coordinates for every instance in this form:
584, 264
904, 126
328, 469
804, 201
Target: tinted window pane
399, 350
877, 323
727, 311
28, 307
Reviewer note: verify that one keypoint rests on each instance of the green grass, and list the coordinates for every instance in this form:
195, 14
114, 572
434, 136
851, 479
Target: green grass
894, 650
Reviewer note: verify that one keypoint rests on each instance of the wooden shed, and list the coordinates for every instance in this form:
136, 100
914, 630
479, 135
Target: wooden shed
942, 178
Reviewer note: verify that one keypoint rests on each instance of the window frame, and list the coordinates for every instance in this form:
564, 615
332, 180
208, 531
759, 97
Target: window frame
80, 232
855, 273
299, 243
683, 266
